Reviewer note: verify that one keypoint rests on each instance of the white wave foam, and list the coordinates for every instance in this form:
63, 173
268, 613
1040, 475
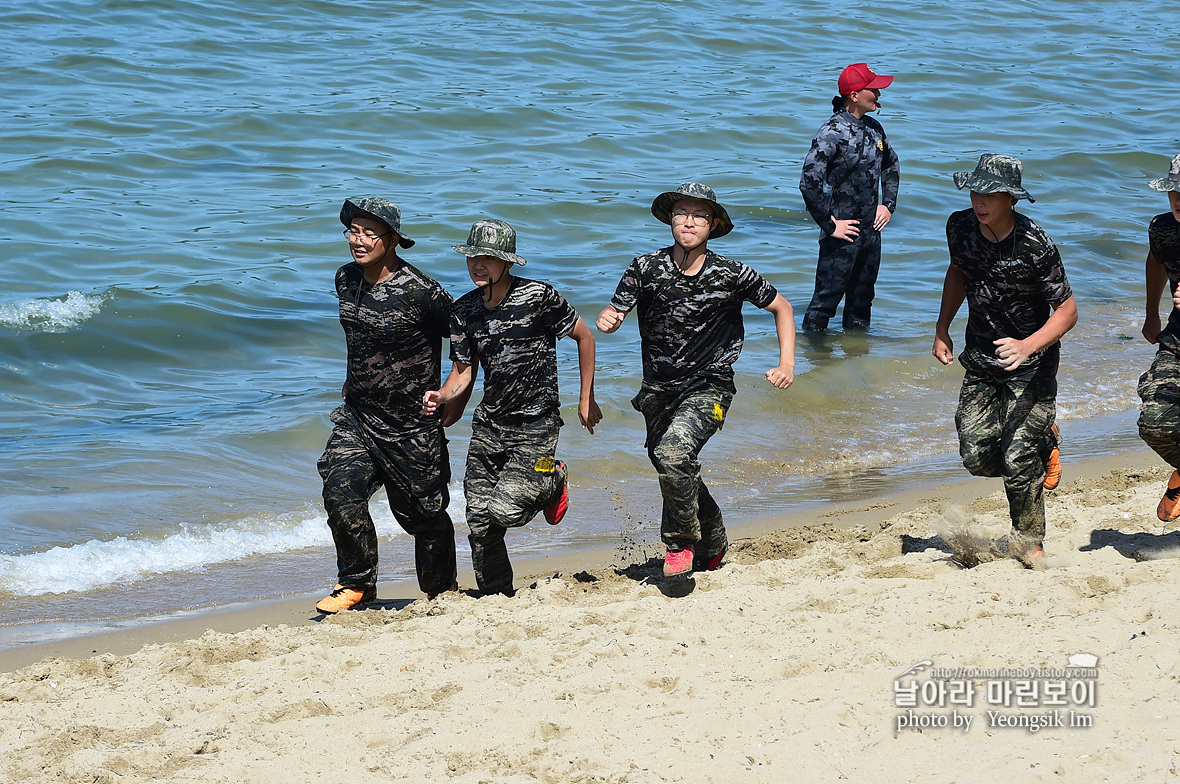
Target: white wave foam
97, 564
52, 315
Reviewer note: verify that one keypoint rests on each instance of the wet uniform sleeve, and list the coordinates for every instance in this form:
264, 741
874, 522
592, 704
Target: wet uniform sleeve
890, 175
952, 239
1054, 285
560, 316
627, 292
754, 288
824, 148
436, 315
460, 343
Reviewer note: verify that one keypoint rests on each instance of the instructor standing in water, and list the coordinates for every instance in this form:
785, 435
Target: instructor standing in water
849, 165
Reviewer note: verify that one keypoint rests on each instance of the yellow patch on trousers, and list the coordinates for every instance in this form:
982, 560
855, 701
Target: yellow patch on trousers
545, 465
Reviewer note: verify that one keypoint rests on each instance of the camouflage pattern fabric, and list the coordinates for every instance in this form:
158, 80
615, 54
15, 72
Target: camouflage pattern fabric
516, 345
678, 426
690, 328
414, 471
394, 331
1159, 421
1010, 287
1004, 430
849, 163
1163, 237
845, 269
511, 476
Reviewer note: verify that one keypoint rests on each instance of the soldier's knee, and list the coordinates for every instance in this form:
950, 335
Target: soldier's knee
670, 457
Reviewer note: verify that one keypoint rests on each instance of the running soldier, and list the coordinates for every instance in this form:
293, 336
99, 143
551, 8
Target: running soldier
1159, 422
510, 326
394, 319
1019, 306
850, 163
690, 326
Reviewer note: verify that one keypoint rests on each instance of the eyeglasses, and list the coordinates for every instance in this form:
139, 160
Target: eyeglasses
699, 218
364, 237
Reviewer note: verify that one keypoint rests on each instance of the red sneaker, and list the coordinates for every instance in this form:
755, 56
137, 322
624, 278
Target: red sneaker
678, 562
715, 562
555, 511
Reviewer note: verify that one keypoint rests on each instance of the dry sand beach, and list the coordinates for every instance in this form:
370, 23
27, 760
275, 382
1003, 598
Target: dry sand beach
779, 667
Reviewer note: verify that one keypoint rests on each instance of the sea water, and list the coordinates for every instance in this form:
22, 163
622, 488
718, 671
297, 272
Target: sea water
169, 343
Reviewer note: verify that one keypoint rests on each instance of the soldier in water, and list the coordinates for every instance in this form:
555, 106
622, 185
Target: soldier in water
849, 166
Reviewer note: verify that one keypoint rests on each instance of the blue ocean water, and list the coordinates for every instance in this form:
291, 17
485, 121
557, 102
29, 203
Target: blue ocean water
172, 173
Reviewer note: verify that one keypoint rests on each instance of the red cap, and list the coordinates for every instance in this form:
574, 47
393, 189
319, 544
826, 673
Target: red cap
860, 77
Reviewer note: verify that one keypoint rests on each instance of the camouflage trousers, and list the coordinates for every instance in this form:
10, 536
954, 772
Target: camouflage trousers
1004, 430
1159, 421
845, 270
678, 426
414, 472
511, 476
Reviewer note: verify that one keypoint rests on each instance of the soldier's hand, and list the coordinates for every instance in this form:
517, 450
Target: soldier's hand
781, 377
1151, 327
589, 413
1011, 352
943, 349
344, 390
847, 230
431, 401
882, 218
610, 319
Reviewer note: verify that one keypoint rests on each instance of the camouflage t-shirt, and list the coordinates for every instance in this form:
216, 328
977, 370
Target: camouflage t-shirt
690, 327
850, 161
394, 331
1010, 287
1163, 236
516, 345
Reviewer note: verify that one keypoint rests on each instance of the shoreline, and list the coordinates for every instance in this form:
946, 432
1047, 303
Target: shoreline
795, 656
297, 611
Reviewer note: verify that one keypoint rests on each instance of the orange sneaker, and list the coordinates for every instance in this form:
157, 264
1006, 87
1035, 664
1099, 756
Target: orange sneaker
1169, 508
1053, 464
343, 598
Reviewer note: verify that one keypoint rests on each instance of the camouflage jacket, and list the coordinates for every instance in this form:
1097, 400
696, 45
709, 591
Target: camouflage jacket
849, 163
690, 327
394, 331
516, 345
1010, 287
1163, 236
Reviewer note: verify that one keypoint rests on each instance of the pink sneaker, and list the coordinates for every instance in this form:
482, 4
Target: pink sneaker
555, 511
678, 562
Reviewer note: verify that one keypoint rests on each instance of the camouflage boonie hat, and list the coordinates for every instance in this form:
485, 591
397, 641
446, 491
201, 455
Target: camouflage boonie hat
662, 206
1169, 183
379, 209
491, 237
994, 174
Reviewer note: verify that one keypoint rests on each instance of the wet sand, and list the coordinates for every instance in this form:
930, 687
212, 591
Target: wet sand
598, 670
